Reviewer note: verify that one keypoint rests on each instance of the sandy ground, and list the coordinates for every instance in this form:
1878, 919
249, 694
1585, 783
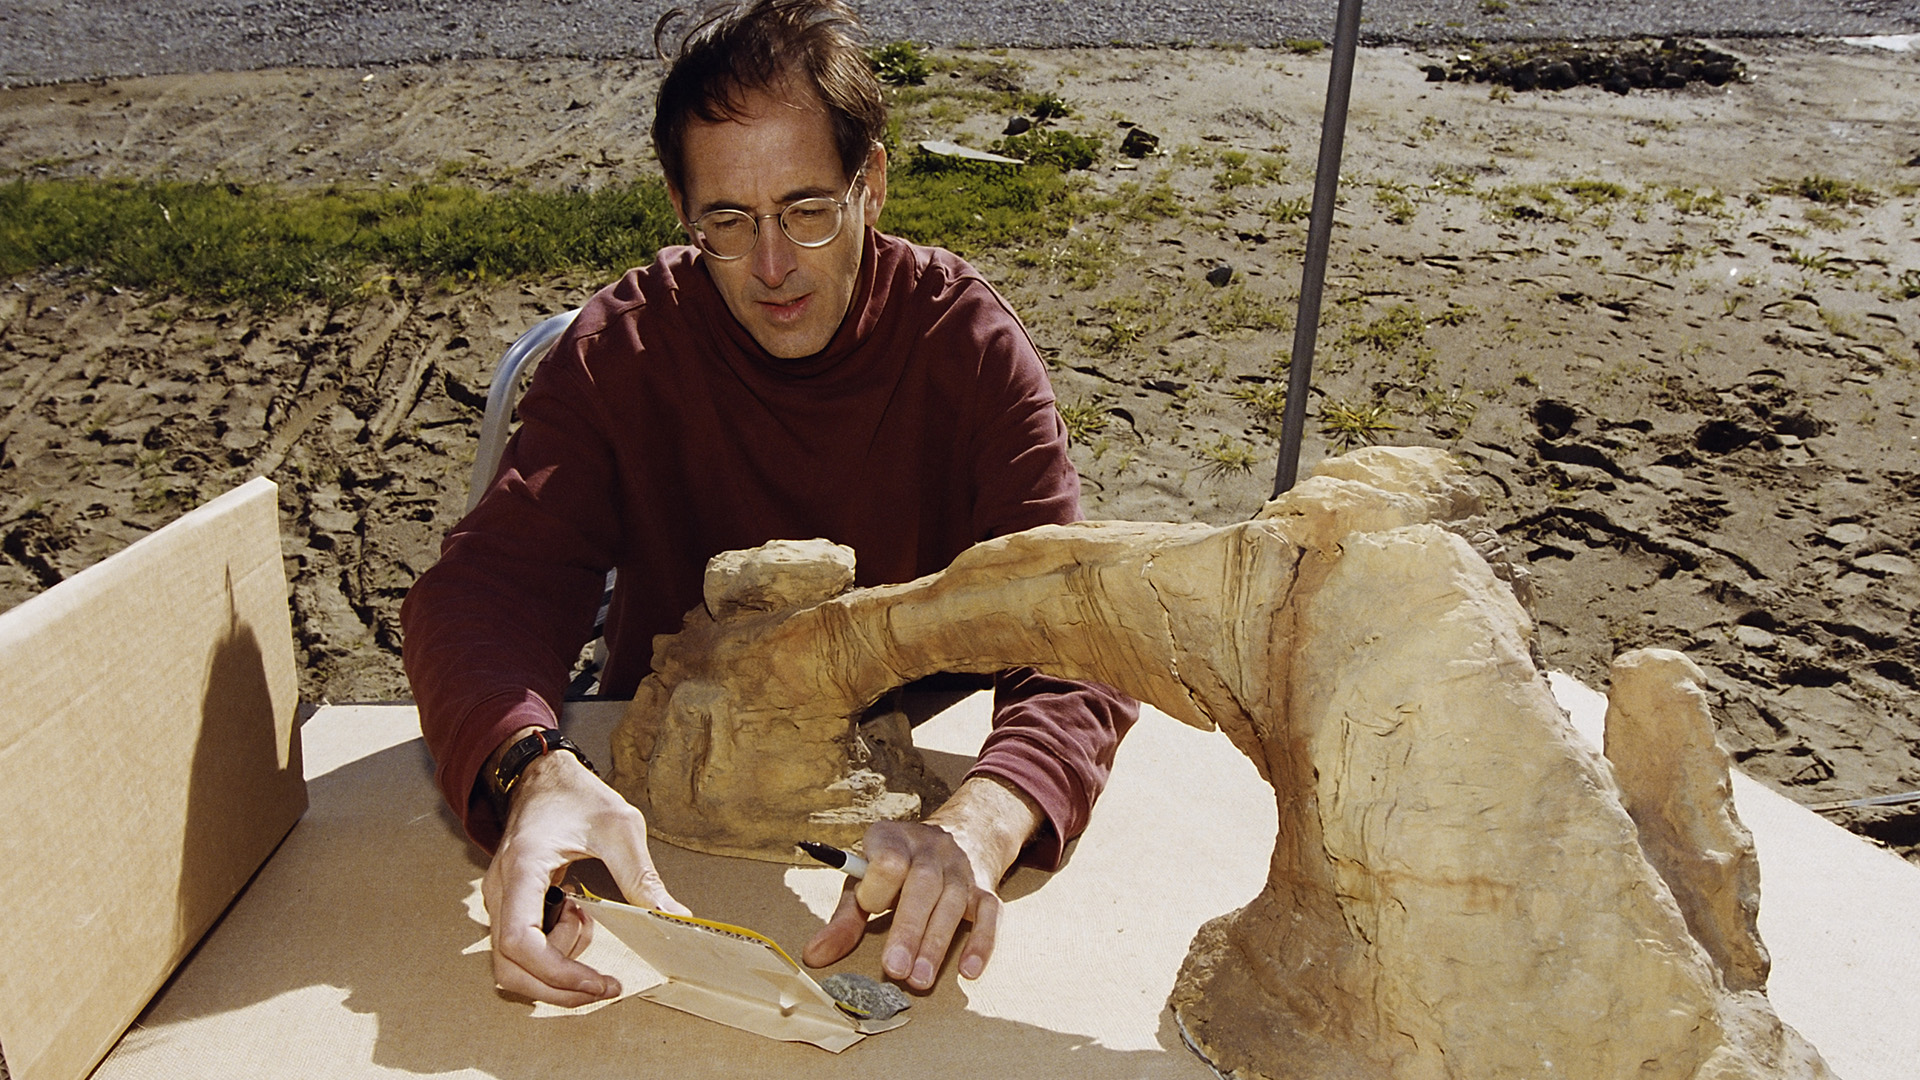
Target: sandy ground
1691, 396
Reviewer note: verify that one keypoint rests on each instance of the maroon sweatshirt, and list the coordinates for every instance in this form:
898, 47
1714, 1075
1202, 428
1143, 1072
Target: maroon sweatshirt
658, 433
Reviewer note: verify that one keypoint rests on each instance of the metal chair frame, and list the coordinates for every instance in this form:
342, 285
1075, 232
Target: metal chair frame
526, 351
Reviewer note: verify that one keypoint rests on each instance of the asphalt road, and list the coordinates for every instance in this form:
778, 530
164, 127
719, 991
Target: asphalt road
59, 40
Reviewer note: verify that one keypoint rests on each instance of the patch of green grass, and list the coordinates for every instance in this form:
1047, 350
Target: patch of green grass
1815, 261
971, 206
1049, 146
1822, 218
1392, 198
1349, 426
1047, 106
1234, 171
1303, 46
1266, 401
1189, 156
1525, 202
1288, 211
1401, 327
1450, 410
1119, 335
1228, 456
1453, 180
1084, 419
1826, 191
1083, 261
1236, 308
267, 247
899, 63
1594, 192
1129, 320
1909, 286
1535, 201
1143, 203
1689, 201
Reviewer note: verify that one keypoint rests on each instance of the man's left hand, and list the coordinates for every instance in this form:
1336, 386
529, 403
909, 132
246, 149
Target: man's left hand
932, 876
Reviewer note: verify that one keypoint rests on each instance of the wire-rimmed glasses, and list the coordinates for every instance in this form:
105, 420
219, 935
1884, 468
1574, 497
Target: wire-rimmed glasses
810, 223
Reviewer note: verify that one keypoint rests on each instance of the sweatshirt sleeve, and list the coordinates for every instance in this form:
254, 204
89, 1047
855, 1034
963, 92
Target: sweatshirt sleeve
1052, 738
492, 629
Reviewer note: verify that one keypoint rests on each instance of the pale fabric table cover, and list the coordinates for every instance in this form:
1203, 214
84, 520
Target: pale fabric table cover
351, 954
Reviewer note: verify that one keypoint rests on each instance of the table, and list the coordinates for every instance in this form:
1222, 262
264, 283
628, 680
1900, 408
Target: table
351, 953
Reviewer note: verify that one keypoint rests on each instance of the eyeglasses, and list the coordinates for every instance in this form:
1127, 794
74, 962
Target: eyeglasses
810, 223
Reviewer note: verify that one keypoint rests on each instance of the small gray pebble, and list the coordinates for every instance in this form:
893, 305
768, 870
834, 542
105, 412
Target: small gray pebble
865, 997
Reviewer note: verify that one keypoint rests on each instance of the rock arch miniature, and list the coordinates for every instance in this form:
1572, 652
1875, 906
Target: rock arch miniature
1459, 887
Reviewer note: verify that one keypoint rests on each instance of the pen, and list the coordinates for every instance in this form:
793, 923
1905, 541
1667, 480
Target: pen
844, 861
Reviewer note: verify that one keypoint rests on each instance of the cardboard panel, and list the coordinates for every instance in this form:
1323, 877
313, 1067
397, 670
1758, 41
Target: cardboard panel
149, 764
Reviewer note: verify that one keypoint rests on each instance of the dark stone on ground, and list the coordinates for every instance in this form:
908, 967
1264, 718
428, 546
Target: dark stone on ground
1139, 143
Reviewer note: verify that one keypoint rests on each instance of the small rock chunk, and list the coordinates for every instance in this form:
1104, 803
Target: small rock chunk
1139, 143
865, 997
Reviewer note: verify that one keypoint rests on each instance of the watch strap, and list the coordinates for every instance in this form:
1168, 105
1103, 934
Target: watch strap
522, 754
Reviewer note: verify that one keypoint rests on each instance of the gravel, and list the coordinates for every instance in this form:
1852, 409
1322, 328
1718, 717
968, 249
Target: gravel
61, 40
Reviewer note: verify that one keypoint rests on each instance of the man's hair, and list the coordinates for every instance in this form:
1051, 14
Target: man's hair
739, 48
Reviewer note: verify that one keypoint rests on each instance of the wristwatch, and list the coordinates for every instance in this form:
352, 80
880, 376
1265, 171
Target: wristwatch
521, 754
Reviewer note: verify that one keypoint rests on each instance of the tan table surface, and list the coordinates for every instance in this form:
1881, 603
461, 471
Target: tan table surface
349, 955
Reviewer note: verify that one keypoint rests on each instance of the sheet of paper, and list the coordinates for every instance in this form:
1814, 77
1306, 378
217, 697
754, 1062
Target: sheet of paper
732, 975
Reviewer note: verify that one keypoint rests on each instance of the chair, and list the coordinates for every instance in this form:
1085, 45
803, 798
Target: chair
526, 351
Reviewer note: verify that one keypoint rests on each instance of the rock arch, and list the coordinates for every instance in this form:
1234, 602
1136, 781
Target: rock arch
1456, 890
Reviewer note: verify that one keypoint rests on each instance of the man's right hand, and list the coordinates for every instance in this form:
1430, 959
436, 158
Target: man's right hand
562, 813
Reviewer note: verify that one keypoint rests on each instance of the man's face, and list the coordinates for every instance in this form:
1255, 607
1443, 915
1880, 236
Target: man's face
790, 298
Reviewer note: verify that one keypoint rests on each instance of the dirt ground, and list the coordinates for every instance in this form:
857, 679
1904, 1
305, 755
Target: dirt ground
1686, 378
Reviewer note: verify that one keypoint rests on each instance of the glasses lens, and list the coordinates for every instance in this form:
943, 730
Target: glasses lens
727, 233
811, 222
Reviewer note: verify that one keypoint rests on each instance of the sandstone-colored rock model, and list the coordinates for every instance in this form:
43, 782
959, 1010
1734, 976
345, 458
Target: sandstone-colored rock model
1457, 889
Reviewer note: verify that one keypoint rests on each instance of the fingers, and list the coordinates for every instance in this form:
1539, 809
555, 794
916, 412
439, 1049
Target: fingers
929, 912
912, 918
542, 967
979, 947
841, 934
563, 814
929, 882
889, 858
516, 979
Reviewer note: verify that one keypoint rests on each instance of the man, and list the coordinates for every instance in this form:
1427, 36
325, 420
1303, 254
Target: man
791, 374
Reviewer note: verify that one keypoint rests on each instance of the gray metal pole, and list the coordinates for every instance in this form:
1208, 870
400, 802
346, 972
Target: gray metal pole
1313, 274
